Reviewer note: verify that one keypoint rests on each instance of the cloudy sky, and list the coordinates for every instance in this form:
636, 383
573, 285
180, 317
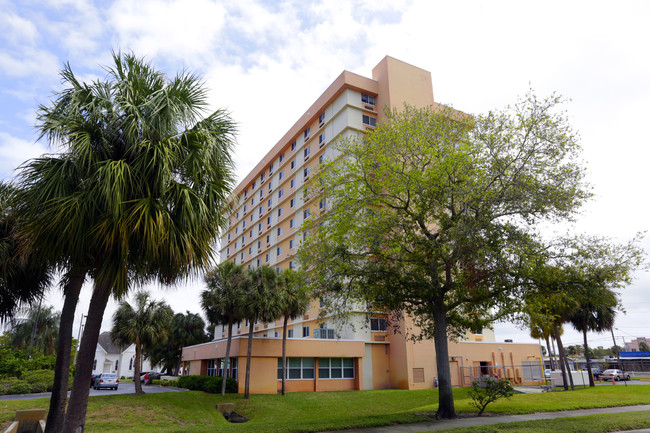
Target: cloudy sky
267, 61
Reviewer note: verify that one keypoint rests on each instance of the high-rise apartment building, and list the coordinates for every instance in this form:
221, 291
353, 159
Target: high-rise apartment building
269, 207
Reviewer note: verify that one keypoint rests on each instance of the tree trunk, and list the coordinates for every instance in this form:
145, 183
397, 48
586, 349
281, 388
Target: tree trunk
556, 330
226, 361
137, 369
56, 414
251, 325
591, 377
445, 393
550, 354
568, 367
75, 417
284, 355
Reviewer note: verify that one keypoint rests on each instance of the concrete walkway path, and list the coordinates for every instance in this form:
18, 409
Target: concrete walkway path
489, 420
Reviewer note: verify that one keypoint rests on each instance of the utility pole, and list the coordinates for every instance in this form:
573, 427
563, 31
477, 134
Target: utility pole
81, 327
38, 313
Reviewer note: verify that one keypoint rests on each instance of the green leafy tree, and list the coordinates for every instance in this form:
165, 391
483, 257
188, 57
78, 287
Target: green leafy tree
263, 302
141, 323
643, 347
185, 330
433, 214
41, 323
223, 302
295, 301
136, 193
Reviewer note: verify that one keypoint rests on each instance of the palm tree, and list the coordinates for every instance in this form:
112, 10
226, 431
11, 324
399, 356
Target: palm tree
596, 312
263, 302
43, 324
295, 301
223, 302
137, 192
542, 329
141, 324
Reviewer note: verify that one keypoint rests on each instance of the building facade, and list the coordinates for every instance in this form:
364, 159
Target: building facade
112, 358
270, 205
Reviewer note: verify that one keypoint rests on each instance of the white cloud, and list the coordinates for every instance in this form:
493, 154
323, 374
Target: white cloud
14, 151
29, 62
17, 30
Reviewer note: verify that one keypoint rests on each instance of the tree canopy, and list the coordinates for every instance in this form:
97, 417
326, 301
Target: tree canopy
435, 213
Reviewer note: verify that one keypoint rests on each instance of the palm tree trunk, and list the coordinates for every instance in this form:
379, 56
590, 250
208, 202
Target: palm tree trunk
556, 330
284, 355
137, 369
446, 408
591, 377
550, 354
226, 362
59, 398
251, 325
75, 417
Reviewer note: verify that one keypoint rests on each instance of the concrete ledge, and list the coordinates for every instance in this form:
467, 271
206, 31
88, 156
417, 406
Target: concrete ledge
226, 408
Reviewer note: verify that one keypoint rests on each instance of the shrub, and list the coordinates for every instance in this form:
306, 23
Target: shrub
492, 391
19, 387
40, 387
209, 384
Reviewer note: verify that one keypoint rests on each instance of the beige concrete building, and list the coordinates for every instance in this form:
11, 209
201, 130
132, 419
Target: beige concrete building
269, 208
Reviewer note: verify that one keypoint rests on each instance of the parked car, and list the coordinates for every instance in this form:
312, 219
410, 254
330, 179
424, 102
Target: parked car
106, 380
92, 379
596, 371
153, 375
614, 374
547, 373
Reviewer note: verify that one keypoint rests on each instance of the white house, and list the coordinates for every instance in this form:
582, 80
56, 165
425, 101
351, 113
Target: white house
111, 358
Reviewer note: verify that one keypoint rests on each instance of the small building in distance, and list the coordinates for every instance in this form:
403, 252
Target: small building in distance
111, 358
268, 208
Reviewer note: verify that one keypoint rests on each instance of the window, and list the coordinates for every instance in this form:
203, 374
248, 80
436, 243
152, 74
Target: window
251, 233
305, 214
293, 146
293, 182
268, 239
253, 184
297, 368
278, 252
306, 134
281, 175
321, 139
262, 178
236, 229
228, 251
261, 193
245, 193
242, 256
292, 202
235, 244
244, 224
243, 239
378, 325
228, 236
270, 202
267, 257
290, 333
117, 364
305, 172
291, 244
293, 164
212, 367
324, 334
232, 366
336, 368
94, 365
291, 265
306, 152
282, 157
268, 220
291, 223
322, 203
321, 118
277, 334
271, 168
259, 227
367, 99
259, 262
131, 363
370, 121
250, 250
245, 208
270, 186
279, 212
252, 217
279, 231
305, 331
281, 192
237, 214
320, 159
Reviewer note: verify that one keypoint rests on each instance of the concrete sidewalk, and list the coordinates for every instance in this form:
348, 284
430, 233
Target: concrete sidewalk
489, 420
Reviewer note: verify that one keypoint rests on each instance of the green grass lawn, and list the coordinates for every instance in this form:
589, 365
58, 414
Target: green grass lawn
194, 411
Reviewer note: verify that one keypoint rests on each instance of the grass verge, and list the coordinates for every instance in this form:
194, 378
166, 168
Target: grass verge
194, 411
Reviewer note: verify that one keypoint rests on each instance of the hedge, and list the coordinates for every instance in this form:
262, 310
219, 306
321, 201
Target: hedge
211, 384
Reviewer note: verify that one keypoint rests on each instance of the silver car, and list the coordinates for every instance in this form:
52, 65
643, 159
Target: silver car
614, 374
106, 380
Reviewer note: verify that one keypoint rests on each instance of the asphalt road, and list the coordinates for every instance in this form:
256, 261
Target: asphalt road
123, 388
